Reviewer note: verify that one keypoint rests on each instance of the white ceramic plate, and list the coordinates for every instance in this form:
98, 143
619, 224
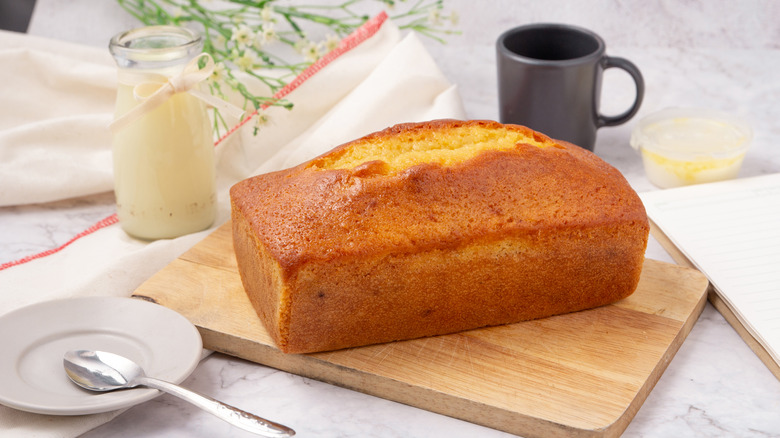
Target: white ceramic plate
34, 339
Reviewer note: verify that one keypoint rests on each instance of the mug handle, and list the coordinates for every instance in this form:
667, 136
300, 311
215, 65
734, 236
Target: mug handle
630, 68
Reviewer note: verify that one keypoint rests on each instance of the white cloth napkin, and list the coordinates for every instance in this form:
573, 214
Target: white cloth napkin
56, 103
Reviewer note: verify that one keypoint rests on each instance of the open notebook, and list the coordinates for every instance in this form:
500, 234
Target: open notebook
730, 231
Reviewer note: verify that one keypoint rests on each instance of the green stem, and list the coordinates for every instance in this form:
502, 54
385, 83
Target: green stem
218, 25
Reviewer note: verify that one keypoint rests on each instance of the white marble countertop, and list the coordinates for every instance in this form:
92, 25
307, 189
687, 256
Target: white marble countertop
717, 54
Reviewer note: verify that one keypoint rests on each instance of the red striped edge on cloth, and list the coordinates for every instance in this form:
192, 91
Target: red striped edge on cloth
110, 220
367, 30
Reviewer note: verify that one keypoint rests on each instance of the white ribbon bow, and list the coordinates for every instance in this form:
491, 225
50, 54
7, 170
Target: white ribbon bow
153, 93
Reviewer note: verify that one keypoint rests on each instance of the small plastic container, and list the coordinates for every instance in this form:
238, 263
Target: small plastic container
684, 146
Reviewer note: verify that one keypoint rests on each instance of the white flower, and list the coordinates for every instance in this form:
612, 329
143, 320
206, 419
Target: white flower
434, 16
243, 36
301, 44
266, 35
247, 61
267, 14
219, 73
454, 18
262, 119
311, 51
331, 42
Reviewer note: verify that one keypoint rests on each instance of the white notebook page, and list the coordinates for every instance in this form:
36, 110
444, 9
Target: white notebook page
731, 232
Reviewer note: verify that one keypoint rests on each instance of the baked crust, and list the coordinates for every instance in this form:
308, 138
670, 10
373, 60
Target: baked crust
342, 257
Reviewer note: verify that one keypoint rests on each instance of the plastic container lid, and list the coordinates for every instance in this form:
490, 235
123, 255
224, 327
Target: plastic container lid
682, 146
686, 132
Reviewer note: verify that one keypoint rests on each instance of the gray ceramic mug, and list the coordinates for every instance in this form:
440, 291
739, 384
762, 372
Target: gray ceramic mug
549, 79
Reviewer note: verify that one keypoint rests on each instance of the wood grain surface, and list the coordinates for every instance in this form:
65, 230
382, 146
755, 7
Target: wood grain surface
583, 374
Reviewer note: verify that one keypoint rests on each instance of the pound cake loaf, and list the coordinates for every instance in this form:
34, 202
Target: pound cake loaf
431, 228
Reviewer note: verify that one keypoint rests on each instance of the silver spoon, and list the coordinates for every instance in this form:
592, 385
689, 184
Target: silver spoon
103, 371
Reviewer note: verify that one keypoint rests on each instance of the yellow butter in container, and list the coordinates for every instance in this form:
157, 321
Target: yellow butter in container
683, 146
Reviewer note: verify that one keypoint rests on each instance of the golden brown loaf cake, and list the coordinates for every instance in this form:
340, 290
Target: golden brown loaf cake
432, 228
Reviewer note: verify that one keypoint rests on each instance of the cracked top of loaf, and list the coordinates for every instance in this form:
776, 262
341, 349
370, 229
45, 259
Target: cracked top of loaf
432, 185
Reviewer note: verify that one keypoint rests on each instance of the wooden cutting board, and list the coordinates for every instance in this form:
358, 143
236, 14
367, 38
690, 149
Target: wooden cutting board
582, 374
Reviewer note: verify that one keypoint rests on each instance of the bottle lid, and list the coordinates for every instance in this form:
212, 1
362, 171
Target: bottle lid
155, 46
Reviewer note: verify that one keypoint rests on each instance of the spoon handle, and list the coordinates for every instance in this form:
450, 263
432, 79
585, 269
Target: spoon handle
232, 415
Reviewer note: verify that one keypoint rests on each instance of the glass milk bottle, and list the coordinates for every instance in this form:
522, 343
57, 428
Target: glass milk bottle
164, 171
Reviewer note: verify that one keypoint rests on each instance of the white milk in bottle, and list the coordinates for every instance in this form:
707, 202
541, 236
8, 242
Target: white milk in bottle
164, 171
